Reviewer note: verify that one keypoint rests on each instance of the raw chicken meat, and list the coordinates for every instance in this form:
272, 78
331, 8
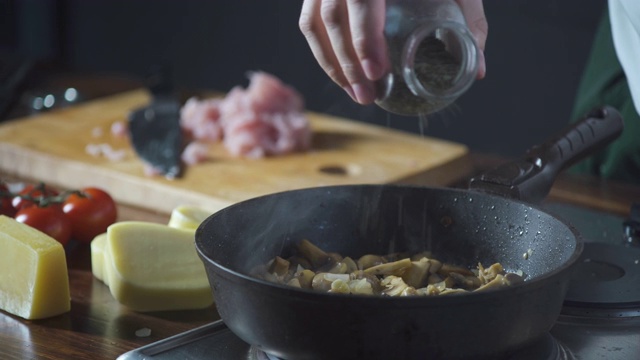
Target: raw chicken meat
200, 118
255, 135
269, 94
195, 153
104, 149
265, 119
119, 129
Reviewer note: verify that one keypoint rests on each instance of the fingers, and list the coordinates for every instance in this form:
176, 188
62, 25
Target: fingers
366, 20
346, 37
336, 19
473, 12
315, 32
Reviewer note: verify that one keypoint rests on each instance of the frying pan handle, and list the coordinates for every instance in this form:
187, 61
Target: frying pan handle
531, 177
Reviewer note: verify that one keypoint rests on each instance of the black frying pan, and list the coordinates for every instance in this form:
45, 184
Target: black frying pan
459, 226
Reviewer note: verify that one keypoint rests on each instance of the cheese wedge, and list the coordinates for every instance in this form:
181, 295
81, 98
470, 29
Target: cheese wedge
34, 282
188, 217
98, 260
155, 267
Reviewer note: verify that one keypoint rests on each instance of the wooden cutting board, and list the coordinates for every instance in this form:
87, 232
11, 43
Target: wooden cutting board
51, 148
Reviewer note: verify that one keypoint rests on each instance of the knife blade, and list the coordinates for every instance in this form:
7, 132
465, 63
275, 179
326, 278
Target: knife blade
154, 129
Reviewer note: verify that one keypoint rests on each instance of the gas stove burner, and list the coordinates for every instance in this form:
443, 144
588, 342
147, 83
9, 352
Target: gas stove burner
257, 354
547, 348
606, 276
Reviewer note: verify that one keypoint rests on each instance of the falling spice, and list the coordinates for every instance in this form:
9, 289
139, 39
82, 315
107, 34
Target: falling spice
435, 68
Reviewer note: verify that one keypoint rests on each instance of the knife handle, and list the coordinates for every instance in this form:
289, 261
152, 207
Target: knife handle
159, 81
531, 177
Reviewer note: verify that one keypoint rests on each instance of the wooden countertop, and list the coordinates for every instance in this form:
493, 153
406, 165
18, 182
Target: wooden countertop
98, 327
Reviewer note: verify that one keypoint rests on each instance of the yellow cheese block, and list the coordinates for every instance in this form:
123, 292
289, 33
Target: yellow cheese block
155, 267
34, 283
188, 217
98, 261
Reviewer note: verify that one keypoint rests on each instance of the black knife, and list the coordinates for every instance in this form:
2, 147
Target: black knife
154, 129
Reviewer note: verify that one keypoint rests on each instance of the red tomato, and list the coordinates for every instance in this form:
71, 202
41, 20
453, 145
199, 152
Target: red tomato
6, 208
90, 213
37, 192
49, 219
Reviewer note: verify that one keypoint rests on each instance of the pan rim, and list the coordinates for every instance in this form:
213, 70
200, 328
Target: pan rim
513, 290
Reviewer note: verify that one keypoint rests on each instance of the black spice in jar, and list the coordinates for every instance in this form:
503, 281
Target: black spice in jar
435, 68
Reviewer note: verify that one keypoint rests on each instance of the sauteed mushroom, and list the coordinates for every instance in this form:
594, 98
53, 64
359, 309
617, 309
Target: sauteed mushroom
390, 275
395, 286
279, 266
417, 275
369, 260
373, 280
314, 254
396, 268
305, 278
324, 281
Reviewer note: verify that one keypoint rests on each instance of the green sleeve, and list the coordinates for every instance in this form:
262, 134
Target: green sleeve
604, 83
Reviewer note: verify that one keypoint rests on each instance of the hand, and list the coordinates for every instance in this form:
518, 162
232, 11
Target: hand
346, 38
473, 12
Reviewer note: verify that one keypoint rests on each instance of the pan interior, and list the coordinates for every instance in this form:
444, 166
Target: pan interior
457, 226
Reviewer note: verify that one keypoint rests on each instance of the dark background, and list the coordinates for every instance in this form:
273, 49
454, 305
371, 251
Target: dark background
535, 55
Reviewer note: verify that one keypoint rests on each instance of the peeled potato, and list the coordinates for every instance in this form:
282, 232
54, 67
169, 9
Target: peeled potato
188, 217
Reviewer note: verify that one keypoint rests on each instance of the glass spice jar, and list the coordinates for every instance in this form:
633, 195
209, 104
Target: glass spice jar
433, 56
